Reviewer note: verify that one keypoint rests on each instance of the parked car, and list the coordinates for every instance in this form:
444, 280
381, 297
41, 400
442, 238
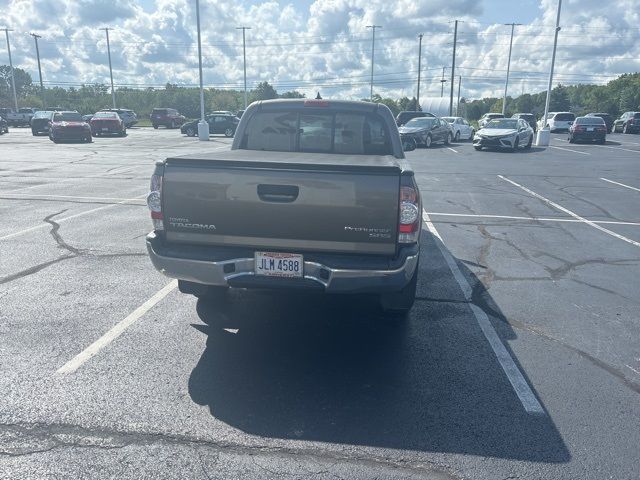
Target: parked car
592, 129
460, 127
427, 130
509, 133
107, 123
530, 118
17, 118
4, 125
608, 119
68, 126
167, 117
559, 121
404, 117
40, 121
487, 117
218, 124
129, 117
313, 195
629, 122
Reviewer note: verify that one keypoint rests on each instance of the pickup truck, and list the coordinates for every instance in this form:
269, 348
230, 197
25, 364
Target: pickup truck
19, 118
313, 194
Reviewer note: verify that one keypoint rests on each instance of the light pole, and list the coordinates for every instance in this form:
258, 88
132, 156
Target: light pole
442, 82
113, 93
36, 37
419, 70
373, 46
543, 133
13, 80
244, 56
506, 83
203, 126
453, 66
458, 104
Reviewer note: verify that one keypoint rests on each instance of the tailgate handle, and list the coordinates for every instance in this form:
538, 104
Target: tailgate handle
278, 193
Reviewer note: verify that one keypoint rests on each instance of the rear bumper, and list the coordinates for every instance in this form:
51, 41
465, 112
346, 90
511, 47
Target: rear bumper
332, 273
588, 135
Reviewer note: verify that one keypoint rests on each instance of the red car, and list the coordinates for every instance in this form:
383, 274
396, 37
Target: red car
107, 123
68, 126
167, 117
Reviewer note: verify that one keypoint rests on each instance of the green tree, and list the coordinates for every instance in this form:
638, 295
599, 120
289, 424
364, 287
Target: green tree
264, 91
559, 100
627, 100
22, 80
292, 94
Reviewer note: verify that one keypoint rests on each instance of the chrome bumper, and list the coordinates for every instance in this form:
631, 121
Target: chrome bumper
241, 271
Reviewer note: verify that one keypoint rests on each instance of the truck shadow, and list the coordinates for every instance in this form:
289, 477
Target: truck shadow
333, 369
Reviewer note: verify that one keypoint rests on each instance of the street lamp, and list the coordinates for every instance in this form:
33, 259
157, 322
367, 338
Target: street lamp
203, 126
544, 134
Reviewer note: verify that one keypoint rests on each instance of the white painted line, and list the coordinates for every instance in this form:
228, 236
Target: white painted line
43, 195
569, 212
527, 398
621, 184
531, 219
569, 150
77, 361
453, 150
603, 146
64, 219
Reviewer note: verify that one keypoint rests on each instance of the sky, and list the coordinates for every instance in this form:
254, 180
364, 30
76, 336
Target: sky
325, 45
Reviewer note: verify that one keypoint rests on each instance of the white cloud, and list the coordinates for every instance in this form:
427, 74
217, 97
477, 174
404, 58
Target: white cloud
323, 47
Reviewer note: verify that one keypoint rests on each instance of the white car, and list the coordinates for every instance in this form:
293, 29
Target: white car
509, 133
460, 128
487, 117
559, 121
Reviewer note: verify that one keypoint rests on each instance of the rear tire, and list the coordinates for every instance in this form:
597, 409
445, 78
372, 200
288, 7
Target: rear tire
190, 132
228, 132
34, 132
571, 140
427, 141
457, 137
528, 145
625, 130
398, 304
447, 140
155, 126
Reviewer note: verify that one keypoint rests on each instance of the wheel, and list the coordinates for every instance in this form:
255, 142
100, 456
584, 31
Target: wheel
571, 140
529, 143
88, 139
427, 141
123, 133
229, 132
473, 133
477, 147
603, 141
191, 132
516, 144
155, 126
447, 141
34, 132
457, 137
398, 304
625, 129
173, 124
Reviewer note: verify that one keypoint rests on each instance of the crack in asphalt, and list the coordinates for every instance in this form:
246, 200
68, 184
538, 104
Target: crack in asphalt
48, 437
73, 252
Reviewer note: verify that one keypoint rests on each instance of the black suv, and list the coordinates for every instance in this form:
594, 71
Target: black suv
218, 123
629, 122
40, 121
404, 117
608, 119
530, 118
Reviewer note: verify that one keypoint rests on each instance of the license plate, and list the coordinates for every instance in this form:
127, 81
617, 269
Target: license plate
104, 129
590, 129
275, 264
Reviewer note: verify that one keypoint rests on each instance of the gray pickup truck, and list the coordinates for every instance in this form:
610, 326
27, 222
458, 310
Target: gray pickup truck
313, 194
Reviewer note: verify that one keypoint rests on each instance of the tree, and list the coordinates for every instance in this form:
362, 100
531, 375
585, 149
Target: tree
524, 103
264, 91
22, 79
292, 94
559, 100
627, 100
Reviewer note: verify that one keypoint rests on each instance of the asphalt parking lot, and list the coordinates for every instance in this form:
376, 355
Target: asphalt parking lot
520, 359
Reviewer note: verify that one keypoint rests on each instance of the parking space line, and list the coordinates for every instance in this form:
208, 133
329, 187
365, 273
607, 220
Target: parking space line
569, 212
532, 219
28, 196
621, 184
519, 384
117, 330
569, 150
453, 150
64, 219
602, 146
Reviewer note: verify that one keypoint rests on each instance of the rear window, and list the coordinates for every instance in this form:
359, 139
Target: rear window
42, 114
636, 115
565, 117
159, 111
105, 115
510, 123
322, 132
589, 121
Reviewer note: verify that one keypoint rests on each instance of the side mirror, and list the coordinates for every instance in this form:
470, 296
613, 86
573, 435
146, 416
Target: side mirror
408, 144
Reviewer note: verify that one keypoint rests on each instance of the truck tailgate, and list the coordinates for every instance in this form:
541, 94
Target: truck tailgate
309, 202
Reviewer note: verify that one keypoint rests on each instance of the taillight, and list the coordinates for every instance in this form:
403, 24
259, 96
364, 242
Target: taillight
154, 202
409, 215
